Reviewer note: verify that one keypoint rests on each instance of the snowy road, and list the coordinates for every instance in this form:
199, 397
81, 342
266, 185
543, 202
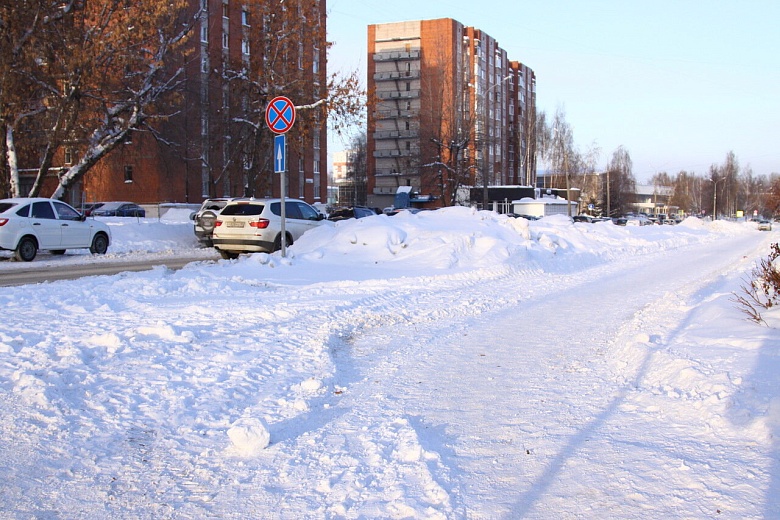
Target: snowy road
457, 365
526, 365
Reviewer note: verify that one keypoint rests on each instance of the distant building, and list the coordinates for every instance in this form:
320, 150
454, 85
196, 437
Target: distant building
339, 166
652, 199
349, 178
438, 81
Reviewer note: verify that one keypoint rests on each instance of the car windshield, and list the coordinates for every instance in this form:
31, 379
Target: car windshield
247, 210
215, 205
111, 205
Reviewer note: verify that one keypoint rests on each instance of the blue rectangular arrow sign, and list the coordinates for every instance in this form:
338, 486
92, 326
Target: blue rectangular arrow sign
280, 153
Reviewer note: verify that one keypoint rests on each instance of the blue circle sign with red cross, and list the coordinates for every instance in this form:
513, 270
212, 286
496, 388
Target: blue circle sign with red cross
280, 114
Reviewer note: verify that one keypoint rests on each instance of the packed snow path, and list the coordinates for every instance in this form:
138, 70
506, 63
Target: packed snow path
528, 399
562, 386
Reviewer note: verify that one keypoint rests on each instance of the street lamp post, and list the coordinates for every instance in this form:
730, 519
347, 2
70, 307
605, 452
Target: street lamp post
715, 197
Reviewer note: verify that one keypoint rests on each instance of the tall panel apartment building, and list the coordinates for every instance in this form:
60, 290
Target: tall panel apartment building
449, 110
241, 55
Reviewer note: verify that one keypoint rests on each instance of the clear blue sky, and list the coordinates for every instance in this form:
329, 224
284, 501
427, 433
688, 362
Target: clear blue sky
678, 83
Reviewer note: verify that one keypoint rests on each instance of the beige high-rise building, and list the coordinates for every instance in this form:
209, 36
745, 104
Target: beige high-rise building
448, 110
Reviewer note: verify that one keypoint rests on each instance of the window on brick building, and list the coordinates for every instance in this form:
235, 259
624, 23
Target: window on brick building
128, 174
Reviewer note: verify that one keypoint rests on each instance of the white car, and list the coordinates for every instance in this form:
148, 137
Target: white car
30, 224
255, 225
204, 219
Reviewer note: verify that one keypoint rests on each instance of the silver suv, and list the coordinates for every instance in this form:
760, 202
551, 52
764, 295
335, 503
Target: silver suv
255, 225
205, 217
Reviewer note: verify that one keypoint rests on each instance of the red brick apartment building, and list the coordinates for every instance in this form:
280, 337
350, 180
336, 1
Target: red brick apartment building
217, 144
438, 81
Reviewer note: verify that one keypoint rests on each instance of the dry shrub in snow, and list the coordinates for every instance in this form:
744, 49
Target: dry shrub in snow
762, 291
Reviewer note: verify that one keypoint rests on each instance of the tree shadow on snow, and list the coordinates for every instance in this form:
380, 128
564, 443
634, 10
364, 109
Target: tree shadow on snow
526, 503
760, 398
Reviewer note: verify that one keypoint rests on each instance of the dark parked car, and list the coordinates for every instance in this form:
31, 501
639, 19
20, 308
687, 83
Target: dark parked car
412, 211
583, 218
353, 212
118, 209
89, 207
518, 215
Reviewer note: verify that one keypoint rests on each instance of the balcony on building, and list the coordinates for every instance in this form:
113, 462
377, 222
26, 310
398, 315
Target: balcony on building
398, 94
395, 114
397, 134
397, 55
379, 154
397, 74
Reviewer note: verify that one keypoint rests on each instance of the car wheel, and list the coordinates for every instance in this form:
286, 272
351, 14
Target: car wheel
207, 220
26, 250
278, 242
57, 251
228, 255
99, 244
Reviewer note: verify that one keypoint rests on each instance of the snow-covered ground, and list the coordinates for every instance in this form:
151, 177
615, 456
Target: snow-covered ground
449, 364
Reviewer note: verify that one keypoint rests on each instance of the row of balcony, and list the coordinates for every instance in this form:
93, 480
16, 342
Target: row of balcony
396, 153
394, 75
397, 55
399, 94
386, 172
396, 114
397, 134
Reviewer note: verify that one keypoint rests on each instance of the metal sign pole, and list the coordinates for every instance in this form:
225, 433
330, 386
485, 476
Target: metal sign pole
280, 116
283, 188
280, 167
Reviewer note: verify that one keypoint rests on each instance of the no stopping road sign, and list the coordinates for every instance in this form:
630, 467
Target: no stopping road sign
280, 114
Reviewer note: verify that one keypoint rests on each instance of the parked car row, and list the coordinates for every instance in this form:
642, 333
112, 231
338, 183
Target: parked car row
113, 209
31, 224
242, 225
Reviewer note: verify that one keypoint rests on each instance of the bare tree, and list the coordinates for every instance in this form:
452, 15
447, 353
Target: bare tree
621, 184
684, 193
280, 63
96, 72
357, 164
773, 197
562, 156
447, 122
